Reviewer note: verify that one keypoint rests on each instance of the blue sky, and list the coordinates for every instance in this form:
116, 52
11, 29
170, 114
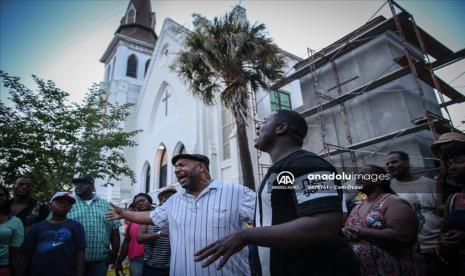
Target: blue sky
63, 40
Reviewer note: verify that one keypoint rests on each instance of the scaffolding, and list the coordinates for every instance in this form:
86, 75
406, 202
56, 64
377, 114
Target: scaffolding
417, 46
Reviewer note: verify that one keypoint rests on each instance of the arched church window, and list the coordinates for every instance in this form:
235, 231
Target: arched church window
108, 72
182, 149
132, 66
163, 176
146, 66
152, 20
179, 149
147, 179
228, 127
131, 17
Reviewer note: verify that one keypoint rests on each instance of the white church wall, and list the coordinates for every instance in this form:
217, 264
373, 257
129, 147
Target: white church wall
169, 115
121, 90
124, 50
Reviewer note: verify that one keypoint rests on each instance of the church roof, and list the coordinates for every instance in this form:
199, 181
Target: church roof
138, 22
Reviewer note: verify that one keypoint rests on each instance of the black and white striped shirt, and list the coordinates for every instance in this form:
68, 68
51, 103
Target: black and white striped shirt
157, 254
219, 210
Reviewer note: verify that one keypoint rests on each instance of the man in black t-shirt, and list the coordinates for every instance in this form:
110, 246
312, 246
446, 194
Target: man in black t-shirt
298, 217
24, 206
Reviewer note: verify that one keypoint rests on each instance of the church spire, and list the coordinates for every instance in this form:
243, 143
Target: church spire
239, 14
139, 22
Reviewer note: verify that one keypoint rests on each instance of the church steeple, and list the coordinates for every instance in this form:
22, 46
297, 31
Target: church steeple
239, 14
138, 22
127, 57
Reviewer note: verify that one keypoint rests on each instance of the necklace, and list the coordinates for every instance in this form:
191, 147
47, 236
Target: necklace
375, 200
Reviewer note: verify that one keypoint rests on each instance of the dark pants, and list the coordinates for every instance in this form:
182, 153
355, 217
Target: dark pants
433, 263
155, 271
96, 268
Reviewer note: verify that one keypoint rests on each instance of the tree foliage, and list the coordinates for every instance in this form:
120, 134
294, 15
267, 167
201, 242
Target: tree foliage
45, 136
229, 58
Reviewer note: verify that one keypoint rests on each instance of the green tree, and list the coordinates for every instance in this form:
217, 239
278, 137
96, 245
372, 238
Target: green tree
47, 137
229, 58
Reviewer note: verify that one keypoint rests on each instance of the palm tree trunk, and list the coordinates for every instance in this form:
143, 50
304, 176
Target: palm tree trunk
245, 158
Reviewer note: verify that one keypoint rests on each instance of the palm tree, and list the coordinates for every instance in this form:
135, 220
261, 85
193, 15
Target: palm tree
222, 59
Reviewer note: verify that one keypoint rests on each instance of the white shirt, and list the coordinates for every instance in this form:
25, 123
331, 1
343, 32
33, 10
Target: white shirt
421, 194
219, 210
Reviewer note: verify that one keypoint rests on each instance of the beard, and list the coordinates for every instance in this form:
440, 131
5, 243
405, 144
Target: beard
192, 179
189, 183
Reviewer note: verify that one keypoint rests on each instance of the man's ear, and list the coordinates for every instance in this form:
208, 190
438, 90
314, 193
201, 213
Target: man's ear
202, 167
281, 129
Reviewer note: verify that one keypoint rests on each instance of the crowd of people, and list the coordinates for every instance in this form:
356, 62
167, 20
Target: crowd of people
404, 224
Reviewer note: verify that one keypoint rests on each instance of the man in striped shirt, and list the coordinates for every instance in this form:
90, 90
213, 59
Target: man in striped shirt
205, 211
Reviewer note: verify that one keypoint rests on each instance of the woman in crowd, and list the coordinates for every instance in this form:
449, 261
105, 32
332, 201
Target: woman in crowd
383, 229
450, 147
156, 242
11, 236
131, 247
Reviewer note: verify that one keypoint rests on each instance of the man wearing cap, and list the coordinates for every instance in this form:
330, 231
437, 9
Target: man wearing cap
450, 147
55, 246
445, 186
166, 193
204, 211
24, 206
90, 210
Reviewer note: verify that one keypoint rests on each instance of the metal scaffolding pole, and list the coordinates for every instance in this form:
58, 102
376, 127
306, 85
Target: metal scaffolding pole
318, 98
344, 114
412, 67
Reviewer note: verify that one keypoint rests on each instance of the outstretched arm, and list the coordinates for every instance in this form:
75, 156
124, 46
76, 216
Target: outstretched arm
323, 227
138, 217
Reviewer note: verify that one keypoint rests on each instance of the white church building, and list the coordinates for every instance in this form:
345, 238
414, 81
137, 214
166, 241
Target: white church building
138, 70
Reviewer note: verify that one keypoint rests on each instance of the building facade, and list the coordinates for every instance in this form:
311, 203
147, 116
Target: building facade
138, 70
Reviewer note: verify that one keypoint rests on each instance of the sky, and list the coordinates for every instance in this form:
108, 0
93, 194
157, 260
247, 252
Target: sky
63, 40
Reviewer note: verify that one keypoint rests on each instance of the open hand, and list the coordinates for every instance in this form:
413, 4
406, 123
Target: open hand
114, 212
351, 232
452, 238
164, 233
225, 248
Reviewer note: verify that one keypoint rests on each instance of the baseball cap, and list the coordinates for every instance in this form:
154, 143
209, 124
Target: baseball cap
196, 157
84, 178
64, 195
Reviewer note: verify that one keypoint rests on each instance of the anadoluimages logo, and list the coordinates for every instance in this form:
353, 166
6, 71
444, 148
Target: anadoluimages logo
285, 178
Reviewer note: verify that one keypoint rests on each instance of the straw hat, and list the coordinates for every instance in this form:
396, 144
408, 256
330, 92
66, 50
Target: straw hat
167, 189
446, 138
